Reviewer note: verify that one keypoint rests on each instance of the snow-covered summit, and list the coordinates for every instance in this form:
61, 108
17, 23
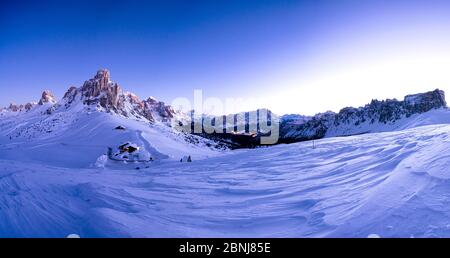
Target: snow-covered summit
83, 125
103, 94
47, 99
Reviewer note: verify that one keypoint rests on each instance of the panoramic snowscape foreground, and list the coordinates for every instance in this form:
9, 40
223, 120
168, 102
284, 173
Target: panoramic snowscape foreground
101, 163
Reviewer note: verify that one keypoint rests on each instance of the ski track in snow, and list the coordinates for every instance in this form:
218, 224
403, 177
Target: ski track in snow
154, 152
393, 184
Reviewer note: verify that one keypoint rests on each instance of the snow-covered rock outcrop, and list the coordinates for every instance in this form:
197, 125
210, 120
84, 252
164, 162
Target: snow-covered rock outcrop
129, 151
81, 126
47, 97
376, 116
101, 94
105, 95
101, 91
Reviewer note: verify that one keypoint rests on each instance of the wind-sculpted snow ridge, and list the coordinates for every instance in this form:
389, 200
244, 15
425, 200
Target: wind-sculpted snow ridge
102, 163
378, 116
393, 184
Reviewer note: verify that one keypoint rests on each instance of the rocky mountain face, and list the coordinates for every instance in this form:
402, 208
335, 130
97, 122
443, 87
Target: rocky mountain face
240, 130
47, 97
151, 107
13, 107
350, 121
375, 116
101, 92
104, 95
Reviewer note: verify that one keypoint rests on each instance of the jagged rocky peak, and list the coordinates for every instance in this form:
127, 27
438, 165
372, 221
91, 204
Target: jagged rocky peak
47, 97
108, 96
423, 102
351, 120
133, 98
101, 90
14, 107
103, 74
152, 100
70, 92
161, 109
99, 84
29, 106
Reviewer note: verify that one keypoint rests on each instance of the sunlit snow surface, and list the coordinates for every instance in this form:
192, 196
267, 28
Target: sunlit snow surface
392, 184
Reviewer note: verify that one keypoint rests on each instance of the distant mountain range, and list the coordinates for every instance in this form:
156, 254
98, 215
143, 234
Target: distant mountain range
376, 116
100, 162
103, 95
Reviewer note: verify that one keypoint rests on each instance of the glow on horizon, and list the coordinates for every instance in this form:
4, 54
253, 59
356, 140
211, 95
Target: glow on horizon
352, 81
301, 57
390, 56
358, 83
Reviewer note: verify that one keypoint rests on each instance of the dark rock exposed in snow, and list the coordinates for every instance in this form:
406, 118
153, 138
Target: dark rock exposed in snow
47, 97
70, 95
100, 90
29, 106
20, 107
360, 120
108, 96
241, 130
423, 102
152, 106
14, 107
102, 94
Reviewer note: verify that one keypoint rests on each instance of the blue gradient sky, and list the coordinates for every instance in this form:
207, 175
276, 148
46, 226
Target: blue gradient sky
293, 56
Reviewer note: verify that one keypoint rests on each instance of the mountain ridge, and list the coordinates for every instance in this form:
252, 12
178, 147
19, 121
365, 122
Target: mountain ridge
102, 94
105, 95
350, 120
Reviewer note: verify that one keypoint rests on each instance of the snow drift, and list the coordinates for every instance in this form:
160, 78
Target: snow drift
392, 184
57, 177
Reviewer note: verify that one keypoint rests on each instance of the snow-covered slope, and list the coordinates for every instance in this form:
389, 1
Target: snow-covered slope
377, 116
102, 163
435, 116
394, 184
89, 122
77, 139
